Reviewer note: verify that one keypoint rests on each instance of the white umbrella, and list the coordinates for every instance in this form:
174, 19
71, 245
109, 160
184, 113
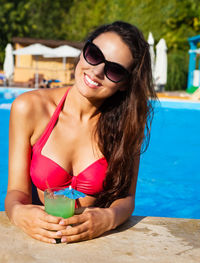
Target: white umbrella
151, 50
160, 74
37, 50
64, 52
8, 66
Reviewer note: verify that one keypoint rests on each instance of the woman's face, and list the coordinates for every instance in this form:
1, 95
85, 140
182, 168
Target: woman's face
90, 80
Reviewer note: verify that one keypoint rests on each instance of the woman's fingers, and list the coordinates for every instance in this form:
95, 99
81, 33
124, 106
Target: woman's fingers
44, 239
74, 234
47, 233
75, 238
49, 218
70, 231
76, 219
51, 226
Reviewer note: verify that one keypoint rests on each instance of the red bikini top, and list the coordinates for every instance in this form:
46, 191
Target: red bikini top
46, 173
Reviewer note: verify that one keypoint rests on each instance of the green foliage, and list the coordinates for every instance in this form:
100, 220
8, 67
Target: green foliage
172, 20
13, 18
177, 70
46, 17
30, 18
183, 21
82, 18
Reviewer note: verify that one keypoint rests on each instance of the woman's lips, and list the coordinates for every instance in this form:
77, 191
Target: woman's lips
90, 83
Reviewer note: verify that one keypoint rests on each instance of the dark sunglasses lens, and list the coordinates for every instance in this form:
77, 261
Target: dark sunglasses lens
93, 55
115, 72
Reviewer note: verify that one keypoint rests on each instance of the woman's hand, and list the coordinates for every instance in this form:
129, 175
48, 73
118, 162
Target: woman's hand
34, 221
93, 222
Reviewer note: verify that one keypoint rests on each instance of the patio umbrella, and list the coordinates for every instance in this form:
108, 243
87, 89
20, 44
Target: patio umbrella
64, 52
160, 74
34, 50
8, 66
151, 50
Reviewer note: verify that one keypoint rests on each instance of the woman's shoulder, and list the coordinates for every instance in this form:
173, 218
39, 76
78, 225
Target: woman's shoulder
37, 102
32, 110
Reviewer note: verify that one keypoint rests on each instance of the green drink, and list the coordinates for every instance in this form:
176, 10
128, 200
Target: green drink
58, 204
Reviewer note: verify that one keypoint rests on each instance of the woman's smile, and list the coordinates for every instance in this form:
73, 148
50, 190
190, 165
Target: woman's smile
90, 82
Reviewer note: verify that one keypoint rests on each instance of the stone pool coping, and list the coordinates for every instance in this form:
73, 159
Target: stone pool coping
180, 95
139, 240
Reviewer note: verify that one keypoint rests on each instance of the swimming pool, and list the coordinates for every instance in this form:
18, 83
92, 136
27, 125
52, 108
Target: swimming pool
169, 174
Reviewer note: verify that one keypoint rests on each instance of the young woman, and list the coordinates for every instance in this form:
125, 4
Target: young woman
88, 136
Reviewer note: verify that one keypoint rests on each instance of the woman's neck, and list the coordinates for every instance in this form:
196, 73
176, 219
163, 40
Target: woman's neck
80, 107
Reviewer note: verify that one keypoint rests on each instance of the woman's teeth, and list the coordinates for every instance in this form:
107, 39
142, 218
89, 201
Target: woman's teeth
91, 81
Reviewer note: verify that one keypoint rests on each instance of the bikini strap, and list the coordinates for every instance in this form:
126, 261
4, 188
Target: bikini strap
47, 131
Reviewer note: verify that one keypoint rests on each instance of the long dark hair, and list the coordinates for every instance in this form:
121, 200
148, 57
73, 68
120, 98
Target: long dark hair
123, 128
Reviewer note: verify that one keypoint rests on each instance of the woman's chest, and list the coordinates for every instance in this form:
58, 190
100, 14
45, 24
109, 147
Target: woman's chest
68, 155
72, 147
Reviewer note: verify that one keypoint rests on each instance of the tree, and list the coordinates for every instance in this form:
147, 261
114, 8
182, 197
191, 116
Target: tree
82, 18
13, 18
46, 17
31, 18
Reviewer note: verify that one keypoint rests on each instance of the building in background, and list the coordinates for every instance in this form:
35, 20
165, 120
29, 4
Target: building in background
48, 68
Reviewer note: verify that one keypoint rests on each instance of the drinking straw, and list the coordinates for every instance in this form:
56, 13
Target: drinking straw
49, 189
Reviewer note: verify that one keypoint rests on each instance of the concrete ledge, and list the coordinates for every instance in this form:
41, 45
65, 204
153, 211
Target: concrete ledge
139, 240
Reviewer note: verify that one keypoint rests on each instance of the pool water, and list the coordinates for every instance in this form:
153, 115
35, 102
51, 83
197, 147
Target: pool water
169, 174
4, 117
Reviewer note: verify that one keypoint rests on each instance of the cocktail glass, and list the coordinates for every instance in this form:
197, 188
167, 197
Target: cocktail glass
57, 204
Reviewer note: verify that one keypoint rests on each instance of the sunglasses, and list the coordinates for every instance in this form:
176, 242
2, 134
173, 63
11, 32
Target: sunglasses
94, 56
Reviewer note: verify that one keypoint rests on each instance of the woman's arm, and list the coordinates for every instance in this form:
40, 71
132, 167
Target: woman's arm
32, 219
123, 208
94, 222
20, 131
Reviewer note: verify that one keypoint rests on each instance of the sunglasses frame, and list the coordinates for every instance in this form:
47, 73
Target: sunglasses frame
107, 63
